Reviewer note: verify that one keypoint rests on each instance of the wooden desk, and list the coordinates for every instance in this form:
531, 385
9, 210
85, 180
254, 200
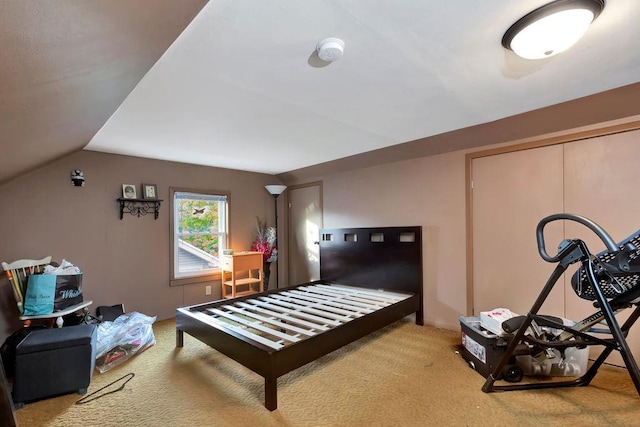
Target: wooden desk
245, 263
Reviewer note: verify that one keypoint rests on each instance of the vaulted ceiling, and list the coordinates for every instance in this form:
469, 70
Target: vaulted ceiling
238, 84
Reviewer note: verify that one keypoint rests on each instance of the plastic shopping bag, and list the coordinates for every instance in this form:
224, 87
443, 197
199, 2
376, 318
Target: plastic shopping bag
120, 340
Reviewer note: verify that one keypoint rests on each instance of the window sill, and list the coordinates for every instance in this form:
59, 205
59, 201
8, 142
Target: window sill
182, 281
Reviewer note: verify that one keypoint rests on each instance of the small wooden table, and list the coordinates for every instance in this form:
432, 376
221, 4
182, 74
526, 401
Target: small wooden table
245, 263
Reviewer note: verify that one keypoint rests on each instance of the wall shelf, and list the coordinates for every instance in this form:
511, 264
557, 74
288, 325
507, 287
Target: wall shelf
139, 207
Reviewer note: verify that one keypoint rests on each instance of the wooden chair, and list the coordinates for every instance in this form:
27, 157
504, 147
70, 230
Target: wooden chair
18, 273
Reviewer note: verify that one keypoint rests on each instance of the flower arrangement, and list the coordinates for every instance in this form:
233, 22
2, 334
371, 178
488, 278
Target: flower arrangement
265, 241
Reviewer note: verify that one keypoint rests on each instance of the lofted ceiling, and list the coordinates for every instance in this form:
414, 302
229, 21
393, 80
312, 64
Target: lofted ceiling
242, 87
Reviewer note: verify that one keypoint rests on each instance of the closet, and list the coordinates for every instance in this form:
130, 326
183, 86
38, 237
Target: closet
512, 191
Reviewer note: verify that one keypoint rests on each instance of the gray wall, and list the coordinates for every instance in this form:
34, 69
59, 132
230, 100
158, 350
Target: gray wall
123, 261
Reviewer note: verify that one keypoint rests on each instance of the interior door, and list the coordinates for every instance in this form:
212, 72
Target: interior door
305, 222
511, 193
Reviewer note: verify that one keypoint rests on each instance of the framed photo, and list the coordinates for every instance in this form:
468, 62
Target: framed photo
128, 191
149, 191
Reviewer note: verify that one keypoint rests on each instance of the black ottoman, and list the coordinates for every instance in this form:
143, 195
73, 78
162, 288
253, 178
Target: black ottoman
55, 361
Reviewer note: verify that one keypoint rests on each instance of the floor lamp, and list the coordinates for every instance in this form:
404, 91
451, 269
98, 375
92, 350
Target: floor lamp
275, 191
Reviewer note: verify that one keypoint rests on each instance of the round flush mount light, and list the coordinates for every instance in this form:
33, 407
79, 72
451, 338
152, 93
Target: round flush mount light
552, 28
330, 49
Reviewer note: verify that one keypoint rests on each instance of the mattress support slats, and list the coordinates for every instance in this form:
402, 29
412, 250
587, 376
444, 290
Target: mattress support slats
212, 320
270, 320
283, 318
255, 325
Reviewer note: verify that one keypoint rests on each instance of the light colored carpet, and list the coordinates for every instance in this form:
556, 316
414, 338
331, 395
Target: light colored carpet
403, 375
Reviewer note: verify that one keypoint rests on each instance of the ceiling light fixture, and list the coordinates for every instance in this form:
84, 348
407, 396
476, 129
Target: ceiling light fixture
330, 49
552, 28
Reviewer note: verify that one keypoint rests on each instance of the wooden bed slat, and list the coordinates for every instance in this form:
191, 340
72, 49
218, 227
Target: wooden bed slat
378, 301
300, 306
270, 320
357, 297
347, 299
380, 295
254, 325
332, 302
316, 303
295, 313
241, 331
286, 317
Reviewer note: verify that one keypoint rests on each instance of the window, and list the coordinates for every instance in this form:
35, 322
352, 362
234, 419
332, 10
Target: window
199, 234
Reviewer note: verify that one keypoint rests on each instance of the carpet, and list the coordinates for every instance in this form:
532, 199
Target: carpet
402, 375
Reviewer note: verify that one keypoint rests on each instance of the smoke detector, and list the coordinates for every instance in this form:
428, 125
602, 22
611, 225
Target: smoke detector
330, 49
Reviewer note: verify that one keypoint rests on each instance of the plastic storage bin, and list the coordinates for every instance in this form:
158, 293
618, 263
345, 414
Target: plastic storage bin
482, 349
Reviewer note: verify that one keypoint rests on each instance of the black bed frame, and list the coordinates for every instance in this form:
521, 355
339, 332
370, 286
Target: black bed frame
388, 258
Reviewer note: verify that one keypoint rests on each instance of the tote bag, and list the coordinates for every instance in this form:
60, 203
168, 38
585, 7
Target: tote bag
41, 292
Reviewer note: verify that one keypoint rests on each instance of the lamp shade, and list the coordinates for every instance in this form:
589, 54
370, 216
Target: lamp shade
552, 28
275, 190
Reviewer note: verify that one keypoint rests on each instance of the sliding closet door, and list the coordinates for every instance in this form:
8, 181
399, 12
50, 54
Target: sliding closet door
601, 183
511, 193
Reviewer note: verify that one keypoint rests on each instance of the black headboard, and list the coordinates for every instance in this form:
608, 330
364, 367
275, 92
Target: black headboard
381, 257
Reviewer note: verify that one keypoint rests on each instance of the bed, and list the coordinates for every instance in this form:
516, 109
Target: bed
370, 278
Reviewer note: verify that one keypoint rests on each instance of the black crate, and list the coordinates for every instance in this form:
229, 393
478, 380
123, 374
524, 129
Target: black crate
482, 349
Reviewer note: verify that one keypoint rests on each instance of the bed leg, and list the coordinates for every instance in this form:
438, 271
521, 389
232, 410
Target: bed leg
179, 338
271, 393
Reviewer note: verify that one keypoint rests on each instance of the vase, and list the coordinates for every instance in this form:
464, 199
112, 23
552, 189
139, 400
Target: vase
266, 271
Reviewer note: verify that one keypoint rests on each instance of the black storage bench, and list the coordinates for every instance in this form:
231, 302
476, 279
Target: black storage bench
50, 362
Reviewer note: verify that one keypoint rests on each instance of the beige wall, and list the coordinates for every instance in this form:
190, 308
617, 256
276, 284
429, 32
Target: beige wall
429, 192
124, 261
127, 261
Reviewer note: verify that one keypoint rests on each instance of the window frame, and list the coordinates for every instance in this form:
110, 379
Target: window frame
208, 275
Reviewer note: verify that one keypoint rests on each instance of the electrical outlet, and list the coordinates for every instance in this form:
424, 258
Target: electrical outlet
207, 290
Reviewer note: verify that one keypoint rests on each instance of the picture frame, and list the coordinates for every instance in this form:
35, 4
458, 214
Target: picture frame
129, 191
149, 191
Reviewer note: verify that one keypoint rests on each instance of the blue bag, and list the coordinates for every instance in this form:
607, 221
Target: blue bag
41, 292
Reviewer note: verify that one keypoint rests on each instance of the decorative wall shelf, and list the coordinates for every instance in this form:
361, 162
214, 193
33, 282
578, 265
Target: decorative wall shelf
140, 207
